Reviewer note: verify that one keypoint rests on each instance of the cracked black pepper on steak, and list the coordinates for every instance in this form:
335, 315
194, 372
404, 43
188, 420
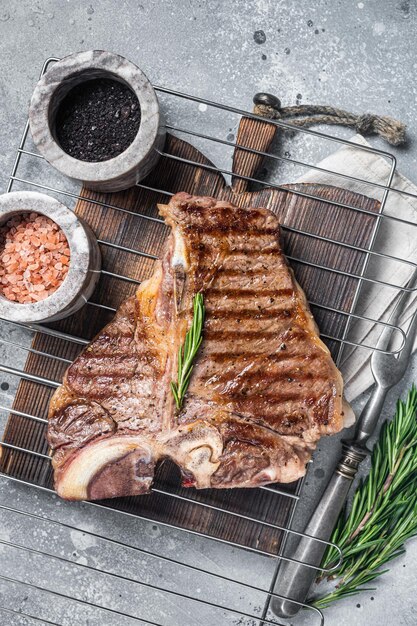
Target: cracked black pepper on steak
97, 120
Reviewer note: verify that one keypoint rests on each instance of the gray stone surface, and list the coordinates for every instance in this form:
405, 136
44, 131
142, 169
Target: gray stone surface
358, 55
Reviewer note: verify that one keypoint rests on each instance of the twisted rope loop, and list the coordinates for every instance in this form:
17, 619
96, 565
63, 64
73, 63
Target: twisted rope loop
386, 127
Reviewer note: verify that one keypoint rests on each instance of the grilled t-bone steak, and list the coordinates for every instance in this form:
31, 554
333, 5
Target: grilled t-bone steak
263, 390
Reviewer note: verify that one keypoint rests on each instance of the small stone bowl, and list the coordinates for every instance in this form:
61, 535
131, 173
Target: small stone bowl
84, 266
130, 166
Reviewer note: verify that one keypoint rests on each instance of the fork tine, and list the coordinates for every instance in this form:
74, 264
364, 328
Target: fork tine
386, 335
410, 335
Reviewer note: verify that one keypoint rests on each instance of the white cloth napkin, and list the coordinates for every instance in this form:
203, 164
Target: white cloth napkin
394, 238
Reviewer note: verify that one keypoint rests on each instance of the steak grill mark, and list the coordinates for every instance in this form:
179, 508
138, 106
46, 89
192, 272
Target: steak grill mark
263, 388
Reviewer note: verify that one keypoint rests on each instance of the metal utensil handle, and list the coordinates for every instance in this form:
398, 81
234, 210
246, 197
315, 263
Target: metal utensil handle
295, 579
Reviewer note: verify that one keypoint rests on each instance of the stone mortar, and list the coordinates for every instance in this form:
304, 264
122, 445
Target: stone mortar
122, 171
84, 267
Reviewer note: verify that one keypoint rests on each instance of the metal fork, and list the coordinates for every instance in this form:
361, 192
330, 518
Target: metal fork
294, 578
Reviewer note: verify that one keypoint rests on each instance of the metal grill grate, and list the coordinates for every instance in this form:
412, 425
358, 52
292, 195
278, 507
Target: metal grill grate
28, 172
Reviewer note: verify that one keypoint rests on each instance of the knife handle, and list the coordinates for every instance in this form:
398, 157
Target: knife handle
294, 578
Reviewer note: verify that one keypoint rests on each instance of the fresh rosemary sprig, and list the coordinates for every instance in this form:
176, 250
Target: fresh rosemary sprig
188, 351
384, 509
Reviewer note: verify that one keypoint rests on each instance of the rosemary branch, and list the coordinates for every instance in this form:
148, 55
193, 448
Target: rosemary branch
188, 351
384, 509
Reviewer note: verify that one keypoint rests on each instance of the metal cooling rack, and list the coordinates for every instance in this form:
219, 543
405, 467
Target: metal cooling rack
231, 614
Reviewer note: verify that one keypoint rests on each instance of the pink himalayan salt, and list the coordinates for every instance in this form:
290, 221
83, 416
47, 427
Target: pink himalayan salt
34, 258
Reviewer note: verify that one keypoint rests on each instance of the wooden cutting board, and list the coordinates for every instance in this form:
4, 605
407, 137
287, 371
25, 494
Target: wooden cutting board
319, 216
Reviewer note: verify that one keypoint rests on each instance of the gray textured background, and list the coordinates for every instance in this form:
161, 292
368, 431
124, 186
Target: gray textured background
358, 55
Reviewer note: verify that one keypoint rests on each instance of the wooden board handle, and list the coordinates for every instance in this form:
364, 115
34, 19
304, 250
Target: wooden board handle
255, 134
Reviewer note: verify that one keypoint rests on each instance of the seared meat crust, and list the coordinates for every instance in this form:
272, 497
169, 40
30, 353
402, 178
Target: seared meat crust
264, 388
